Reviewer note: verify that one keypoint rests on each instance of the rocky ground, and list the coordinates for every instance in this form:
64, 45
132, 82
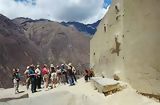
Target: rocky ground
81, 94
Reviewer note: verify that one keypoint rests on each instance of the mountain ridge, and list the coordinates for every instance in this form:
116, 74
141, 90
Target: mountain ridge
89, 29
86, 28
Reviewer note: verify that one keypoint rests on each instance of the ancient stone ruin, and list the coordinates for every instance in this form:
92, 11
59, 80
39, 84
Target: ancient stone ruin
127, 41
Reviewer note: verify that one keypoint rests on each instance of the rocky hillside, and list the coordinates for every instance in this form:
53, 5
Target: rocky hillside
15, 50
58, 43
24, 41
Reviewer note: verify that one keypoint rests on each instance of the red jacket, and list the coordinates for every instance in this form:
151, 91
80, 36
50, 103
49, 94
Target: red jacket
45, 71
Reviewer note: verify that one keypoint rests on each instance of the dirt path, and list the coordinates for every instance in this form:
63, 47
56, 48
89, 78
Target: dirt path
80, 94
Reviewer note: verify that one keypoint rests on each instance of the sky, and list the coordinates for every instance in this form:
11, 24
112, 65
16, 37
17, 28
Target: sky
84, 11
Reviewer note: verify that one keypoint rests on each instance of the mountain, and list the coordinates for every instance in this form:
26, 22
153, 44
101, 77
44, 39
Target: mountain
86, 28
58, 43
22, 20
15, 50
24, 41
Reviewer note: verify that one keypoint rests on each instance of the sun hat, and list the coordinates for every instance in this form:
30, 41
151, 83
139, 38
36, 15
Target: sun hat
38, 65
51, 65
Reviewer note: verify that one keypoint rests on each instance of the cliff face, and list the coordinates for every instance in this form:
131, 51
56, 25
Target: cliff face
126, 44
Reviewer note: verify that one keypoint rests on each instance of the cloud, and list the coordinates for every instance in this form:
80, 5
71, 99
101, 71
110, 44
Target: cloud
86, 11
33, 2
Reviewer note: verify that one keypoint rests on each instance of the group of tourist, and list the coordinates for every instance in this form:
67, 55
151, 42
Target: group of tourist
48, 76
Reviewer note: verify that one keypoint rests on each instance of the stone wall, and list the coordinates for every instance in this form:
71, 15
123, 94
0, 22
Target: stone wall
127, 44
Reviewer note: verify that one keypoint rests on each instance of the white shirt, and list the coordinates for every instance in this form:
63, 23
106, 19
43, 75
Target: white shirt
26, 72
38, 71
53, 75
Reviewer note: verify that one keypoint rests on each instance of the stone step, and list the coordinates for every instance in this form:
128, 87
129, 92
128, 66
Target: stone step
105, 85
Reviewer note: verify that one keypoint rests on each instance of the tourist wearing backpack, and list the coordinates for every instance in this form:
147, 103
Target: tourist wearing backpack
26, 73
74, 73
45, 73
16, 79
70, 74
86, 75
39, 77
59, 74
64, 74
53, 77
32, 76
